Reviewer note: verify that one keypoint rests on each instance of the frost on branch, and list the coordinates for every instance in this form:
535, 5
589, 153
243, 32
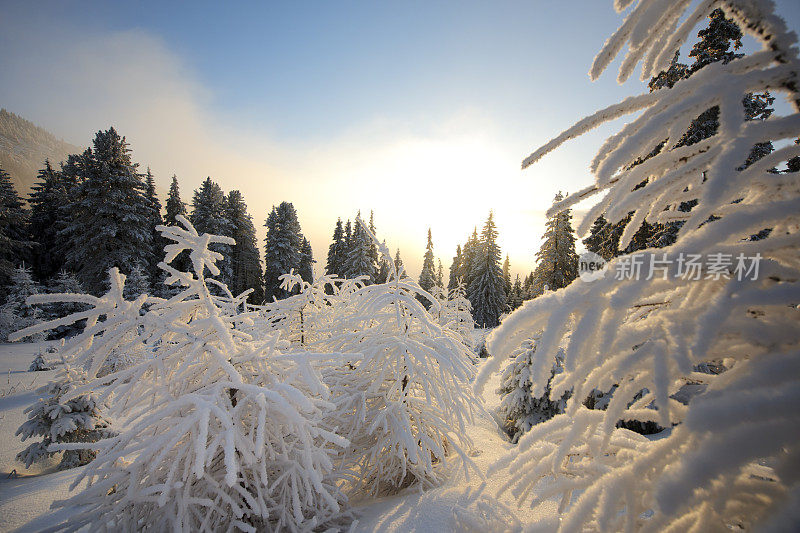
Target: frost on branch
400, 385
219, 430
59, 417
729, 456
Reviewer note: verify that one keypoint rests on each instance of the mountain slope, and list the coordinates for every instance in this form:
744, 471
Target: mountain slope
23, 148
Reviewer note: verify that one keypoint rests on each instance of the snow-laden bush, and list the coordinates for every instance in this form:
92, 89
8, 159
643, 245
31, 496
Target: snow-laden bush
401, 389
732, 459
60, 417
519, 409
220, 432
455, 312
15, 313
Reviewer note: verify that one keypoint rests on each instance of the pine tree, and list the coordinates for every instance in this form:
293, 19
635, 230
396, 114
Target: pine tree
507, 278
61, 420
384, 268
48, 202
336, 251
15, 313
358, 261
373, 248
398, 265
13, 241
519, 408
137, 282
175, 205
65, 283
470, 255
440, 276
209, 215
557, 261
153, 272
598, 239
282, 248
486, 292
455, 270
245, 260
427, 278
517, 294
306, 269
110, 216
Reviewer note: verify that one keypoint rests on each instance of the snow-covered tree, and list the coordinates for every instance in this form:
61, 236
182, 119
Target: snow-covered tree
13, 241
507, 278
404, 403
519, 409
727, 460
427, 277
455, 270
359, 256
222, 431
109, 215
282, 249
337, 251
456, 315
154, 204
398, 265
39, 363
210, 215
137, 282
384, 268
16, 313
59, 417
245, 261
557, 261
470, 256
64, 283
517, 294
486, 292
306, 270
48, 201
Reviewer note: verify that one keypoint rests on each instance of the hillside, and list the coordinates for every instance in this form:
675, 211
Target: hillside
23, 148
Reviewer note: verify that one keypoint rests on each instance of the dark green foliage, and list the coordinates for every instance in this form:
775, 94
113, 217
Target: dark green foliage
455, 270
486, 292
282, 250
557, 261
427, 278
209, 215
109, 214
337, 251
13, 242
245, 261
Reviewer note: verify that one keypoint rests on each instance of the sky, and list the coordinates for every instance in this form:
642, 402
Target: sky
419, 111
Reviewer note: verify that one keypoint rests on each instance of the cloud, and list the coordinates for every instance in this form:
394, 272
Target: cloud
444, 174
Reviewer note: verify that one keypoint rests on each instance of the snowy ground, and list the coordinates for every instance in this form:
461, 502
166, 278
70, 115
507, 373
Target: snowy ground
458, 505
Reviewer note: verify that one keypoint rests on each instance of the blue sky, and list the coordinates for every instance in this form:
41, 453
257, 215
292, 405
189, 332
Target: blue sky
421, 111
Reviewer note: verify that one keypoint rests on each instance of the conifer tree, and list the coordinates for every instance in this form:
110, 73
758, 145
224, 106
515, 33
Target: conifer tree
427, 278
209, 215
455, 270
61, 418
48, 201
306, 269
398, 265
486, 292
373, 248
15, 313
175, 206
358, 261
245, 261
470, 254
137, 282
507, 278
65, 283
336, 251
282, 248
557, 261
440, 276
156, 219
384, 268
517, 294
13, 220
110, 216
